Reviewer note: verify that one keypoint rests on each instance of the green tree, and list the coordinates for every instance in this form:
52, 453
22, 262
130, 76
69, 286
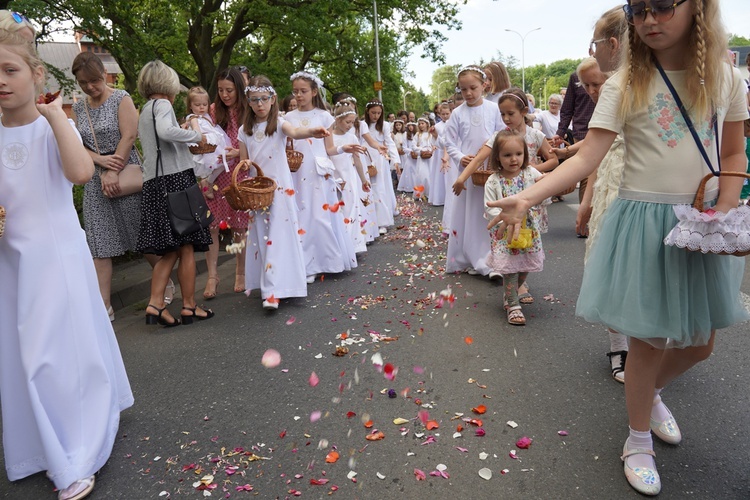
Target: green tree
199, 38
738, 41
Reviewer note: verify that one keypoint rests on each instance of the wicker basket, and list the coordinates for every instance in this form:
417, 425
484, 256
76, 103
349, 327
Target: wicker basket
479, 177
202, 150
2, 220
426, 154
700, 196
414, 155
293, 158
372, 170
253, 193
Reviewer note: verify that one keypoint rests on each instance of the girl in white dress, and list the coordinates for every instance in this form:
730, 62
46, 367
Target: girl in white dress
471, 124
382, 187
325, 243
399, 138
62, 379
274, 261
448, 167
350, 174
423, 144
406, 182
368, 214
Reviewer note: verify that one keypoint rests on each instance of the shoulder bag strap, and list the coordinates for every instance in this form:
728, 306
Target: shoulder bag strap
690, 125
91, 125
159, 163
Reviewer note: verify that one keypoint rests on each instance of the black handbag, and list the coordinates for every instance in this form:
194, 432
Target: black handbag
187, 209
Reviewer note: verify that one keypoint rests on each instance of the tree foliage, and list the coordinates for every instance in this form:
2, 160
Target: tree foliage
738, 41
200, 38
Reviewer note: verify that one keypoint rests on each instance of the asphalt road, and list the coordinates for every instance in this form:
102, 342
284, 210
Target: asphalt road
206, 405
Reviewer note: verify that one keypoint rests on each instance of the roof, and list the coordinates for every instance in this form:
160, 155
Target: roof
61, 55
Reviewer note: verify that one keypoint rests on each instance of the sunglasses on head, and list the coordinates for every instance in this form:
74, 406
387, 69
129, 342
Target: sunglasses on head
19, 18
661, 10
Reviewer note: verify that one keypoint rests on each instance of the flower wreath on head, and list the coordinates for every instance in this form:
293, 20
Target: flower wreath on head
373, 103
346, 113
308, 76
253, 88
472, 67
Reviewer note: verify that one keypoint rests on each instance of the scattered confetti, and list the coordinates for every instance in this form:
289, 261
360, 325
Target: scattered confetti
271, 358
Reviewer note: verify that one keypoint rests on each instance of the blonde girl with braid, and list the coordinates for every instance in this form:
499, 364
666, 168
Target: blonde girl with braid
668, 301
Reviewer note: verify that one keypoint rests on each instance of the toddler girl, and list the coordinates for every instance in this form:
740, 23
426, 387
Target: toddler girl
509, 160
211, 164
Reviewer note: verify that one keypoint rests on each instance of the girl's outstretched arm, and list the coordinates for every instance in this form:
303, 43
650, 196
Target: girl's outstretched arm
573, 170
476, 161
77, 165
550, 159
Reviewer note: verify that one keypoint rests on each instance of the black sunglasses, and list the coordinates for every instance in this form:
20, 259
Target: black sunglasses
661, 10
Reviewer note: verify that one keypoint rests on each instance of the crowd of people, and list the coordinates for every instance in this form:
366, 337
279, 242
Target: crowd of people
487, 156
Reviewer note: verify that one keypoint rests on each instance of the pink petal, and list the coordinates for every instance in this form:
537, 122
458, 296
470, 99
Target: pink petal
524, 443
462, 450
479, 432
419, 474
313, 379
315, 416
291, 320
562, 433
271, 358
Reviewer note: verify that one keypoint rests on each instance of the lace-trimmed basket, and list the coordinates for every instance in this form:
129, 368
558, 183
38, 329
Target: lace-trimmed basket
253, 193
293, 158
202, 150
2, 220
723, 234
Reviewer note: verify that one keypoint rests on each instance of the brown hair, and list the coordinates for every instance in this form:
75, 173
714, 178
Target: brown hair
374, 103
705, 73
500, 76
501, 139
517, 96
88, 63
250, 120
318, 101
221, 112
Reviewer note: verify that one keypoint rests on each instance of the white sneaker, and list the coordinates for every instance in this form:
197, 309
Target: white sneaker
495, 276
382, 231
111, 313
270, 306
472, 272
311, 279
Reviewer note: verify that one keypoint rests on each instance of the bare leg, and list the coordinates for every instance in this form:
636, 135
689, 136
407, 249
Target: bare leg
675, 362
104, 276
159, 278
239, 273
643, 366
152, 259
186, 276
212, 263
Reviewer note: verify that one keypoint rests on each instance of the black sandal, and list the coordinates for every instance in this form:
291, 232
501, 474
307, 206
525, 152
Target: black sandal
188, 320
618, 369
157, 319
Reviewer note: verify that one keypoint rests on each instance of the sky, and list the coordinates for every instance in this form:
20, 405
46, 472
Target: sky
567, 28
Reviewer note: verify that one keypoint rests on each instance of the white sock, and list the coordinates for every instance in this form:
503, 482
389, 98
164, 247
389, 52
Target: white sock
617, 341
642, 440
659, 410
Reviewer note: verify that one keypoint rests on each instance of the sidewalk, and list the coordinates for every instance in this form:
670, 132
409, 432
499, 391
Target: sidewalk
131, 281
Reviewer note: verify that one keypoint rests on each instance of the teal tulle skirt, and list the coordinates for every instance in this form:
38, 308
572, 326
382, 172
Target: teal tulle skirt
664, 295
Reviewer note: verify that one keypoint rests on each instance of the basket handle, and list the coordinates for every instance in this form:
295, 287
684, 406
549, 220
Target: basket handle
289, 144
368, 155
245, 165
701, 194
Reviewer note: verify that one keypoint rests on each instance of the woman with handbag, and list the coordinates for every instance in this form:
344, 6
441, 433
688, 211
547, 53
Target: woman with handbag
108, 123
168, 172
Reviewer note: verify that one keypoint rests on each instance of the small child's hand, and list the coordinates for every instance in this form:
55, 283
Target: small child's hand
320, 132
50, 104
458, 186
466, 160
207, 189
366, 187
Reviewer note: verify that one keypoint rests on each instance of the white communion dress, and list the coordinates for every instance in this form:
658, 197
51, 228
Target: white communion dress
62, 379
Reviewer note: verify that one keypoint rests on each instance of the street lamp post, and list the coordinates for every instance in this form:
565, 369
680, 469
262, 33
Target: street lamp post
438, 88
406, 94
523, 54
377, 46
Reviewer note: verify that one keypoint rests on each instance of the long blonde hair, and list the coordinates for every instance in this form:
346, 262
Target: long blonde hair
705, 65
